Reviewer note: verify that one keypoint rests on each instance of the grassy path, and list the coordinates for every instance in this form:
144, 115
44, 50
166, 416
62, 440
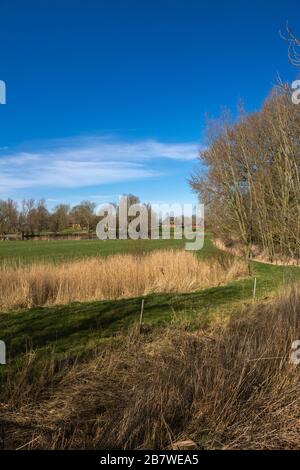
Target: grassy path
80, 327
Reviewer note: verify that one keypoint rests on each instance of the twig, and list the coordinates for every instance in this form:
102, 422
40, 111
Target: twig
27, 443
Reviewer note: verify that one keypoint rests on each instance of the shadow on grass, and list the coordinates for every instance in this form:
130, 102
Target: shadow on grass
77, 327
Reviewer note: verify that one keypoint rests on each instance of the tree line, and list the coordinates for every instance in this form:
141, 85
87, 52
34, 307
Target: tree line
251, 178
33, 218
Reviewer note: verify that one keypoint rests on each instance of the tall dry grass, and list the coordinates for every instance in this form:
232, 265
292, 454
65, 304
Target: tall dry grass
230, 387
115, 277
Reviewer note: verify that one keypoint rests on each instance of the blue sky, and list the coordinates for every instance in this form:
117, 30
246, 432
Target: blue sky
106, 97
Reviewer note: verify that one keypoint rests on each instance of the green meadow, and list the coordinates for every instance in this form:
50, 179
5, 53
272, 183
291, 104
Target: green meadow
77, 329
56, 251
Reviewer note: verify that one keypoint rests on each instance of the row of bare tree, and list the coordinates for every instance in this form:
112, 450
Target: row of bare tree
34, 218
251, 186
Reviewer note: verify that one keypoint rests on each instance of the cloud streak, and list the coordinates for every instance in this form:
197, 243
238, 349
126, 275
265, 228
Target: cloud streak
86, 162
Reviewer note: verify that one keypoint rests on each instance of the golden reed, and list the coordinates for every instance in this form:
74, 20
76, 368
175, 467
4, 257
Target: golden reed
115, 277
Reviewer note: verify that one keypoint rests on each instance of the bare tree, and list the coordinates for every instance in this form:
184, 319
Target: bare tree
84, 215
252, 185
59, 219
293, 45
8, 216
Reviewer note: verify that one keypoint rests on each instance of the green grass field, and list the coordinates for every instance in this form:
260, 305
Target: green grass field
66, 250
76, 329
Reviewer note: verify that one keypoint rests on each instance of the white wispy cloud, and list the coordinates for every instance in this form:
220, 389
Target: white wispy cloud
86, 162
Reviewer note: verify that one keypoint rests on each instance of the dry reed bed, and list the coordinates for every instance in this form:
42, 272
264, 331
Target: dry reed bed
115, 277
236, 248
229, 387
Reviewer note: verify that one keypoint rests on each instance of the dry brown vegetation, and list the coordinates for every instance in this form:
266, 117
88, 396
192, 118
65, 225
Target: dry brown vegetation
115, 277
236, 248
229, 387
